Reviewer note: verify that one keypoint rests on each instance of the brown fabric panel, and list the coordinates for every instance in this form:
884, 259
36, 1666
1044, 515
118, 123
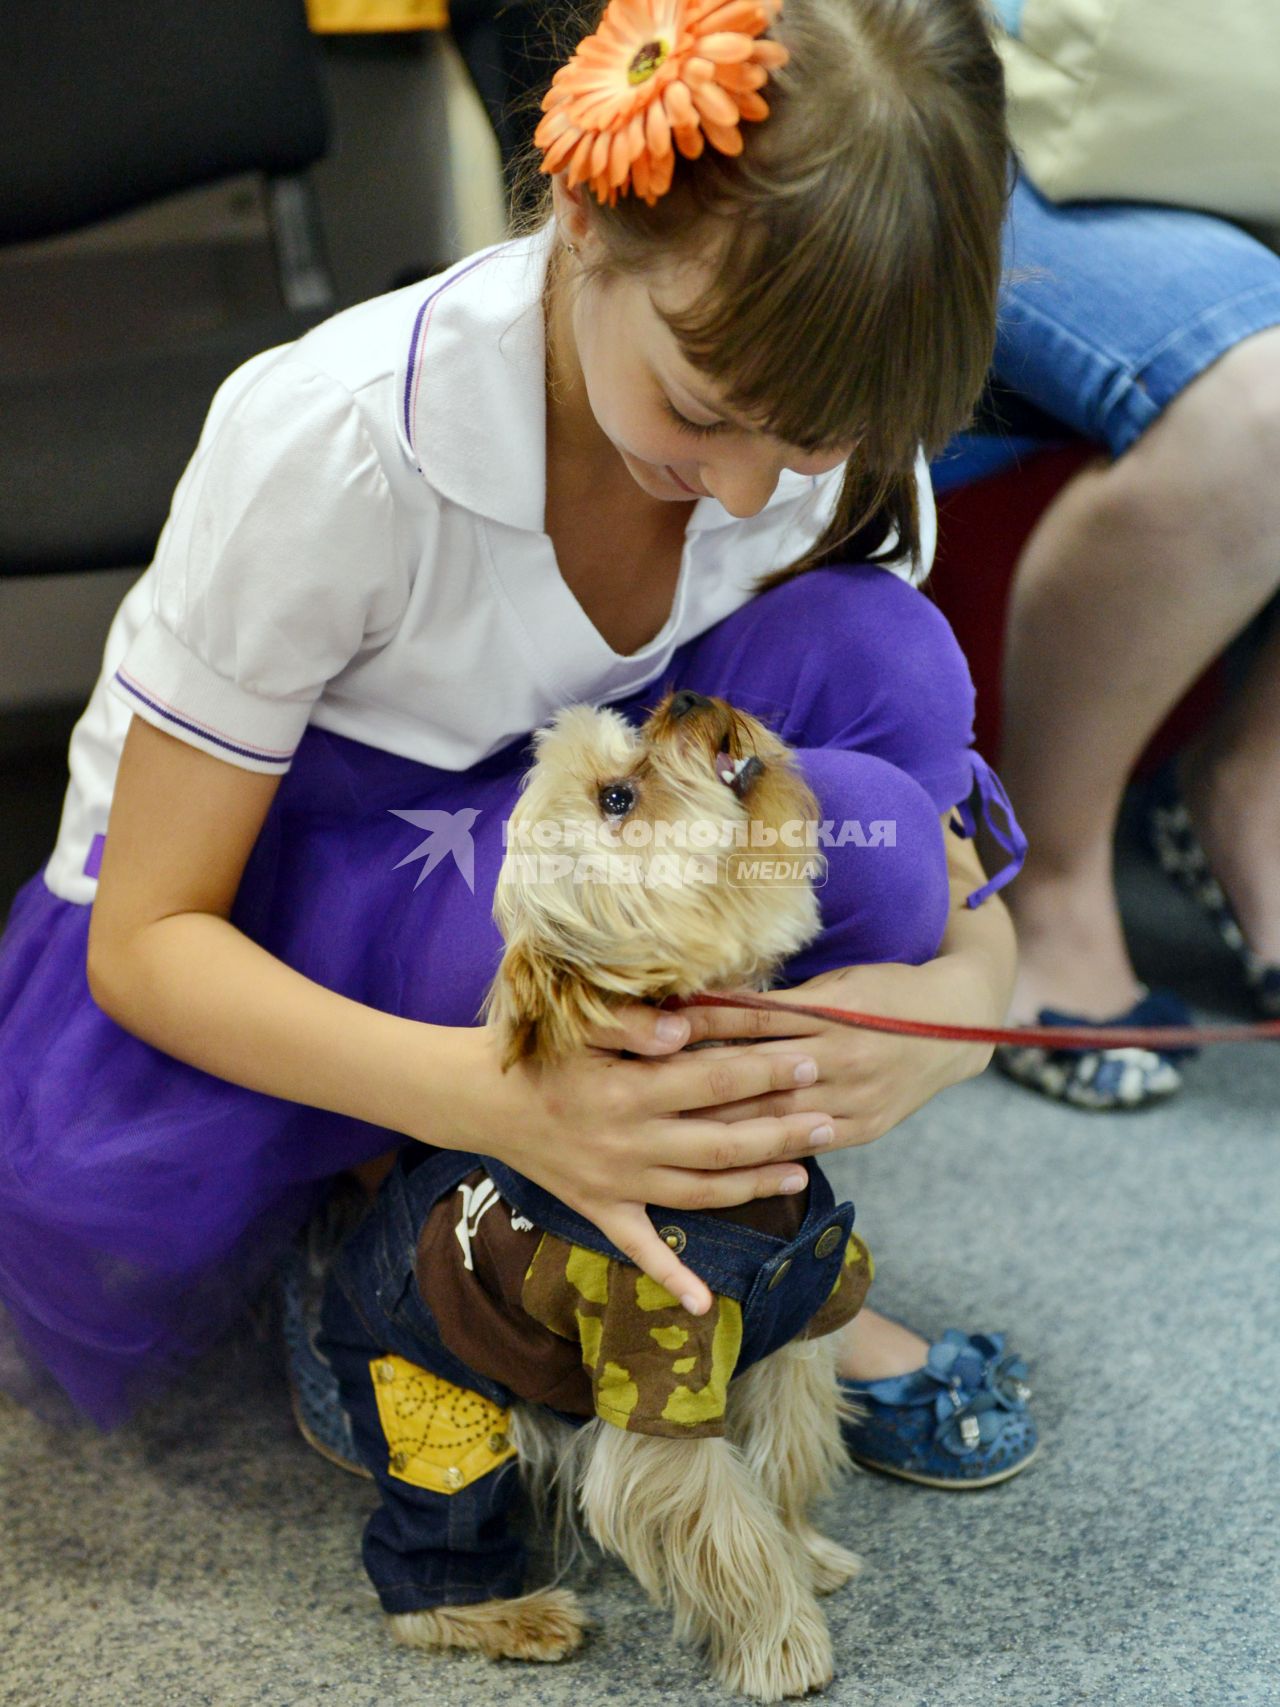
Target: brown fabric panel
480, 1315
783, 1217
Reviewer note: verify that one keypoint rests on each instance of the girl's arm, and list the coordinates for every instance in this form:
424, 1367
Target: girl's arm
165, 963
606, 1135
870, 1079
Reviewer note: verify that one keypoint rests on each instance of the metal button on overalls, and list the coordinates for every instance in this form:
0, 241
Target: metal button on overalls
827, 1242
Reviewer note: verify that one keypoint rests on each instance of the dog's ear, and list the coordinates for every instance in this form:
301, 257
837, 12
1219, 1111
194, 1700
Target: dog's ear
516, 1005
541, 1008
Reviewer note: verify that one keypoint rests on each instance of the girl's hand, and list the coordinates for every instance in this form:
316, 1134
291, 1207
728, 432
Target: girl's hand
607, 1135
870, 1080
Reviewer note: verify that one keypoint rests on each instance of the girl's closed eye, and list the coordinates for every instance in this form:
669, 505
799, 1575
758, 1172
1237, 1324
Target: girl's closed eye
689, 426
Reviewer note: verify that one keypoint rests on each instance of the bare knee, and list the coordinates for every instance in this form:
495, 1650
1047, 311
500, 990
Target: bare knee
1203, 475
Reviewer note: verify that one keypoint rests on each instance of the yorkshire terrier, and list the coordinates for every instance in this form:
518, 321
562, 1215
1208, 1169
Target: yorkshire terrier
641, 864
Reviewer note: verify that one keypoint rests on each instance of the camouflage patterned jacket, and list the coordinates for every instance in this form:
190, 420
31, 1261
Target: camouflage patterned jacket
534, 1299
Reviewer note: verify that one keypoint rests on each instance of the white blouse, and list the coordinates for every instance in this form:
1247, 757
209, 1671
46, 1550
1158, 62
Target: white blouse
358, 543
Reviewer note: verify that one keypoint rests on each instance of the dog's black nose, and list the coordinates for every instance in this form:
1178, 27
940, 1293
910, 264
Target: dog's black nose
686, 701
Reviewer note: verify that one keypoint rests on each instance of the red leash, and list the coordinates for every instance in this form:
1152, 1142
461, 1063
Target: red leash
1158, 1037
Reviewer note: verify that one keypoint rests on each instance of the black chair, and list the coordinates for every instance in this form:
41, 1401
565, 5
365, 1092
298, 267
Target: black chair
109, 108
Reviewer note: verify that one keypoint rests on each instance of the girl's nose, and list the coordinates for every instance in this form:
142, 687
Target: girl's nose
742, 489
745, 487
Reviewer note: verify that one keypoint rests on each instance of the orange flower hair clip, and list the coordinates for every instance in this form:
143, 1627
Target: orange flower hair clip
657, 69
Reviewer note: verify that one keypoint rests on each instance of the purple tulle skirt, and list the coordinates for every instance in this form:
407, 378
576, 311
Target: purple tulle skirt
144, 1202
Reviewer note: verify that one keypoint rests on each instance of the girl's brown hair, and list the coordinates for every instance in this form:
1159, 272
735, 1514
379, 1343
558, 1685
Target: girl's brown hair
857, 258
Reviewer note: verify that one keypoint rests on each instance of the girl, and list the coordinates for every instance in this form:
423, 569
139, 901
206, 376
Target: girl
558, 473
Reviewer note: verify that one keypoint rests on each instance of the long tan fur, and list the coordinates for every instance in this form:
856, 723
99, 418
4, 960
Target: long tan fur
700, 1535
544, 1625
785, 1414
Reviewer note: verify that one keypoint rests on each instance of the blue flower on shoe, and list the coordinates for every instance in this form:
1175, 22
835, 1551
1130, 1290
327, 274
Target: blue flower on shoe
1005, 1375
973, 1388
967, 1406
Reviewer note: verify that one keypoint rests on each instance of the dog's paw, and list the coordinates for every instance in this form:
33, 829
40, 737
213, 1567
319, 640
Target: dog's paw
788, 1661
544, 1625
830, 1564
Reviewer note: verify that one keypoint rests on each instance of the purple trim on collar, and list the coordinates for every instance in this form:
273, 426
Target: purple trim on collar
262, 754
93, 860
413, 341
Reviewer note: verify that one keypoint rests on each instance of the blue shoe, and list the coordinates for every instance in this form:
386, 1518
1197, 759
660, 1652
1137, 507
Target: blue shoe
313, 1388
960, 1422
1103, 1078
1176, 849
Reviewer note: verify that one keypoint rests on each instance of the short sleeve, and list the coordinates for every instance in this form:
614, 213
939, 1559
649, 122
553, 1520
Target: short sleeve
654, 1368
277, 565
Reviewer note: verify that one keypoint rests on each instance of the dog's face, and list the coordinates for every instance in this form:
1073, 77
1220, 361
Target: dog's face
643, 863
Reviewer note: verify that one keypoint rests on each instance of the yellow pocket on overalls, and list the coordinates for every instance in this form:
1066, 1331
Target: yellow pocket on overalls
438, 1436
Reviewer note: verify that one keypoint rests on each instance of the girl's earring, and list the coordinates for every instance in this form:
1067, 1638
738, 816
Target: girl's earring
572, 248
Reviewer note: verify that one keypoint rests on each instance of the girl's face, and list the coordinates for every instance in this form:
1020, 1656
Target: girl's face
622, 382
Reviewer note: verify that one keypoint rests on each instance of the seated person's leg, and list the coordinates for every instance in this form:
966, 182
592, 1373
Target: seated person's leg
1145, 566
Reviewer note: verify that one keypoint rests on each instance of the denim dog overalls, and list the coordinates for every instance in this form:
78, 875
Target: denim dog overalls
468, 1288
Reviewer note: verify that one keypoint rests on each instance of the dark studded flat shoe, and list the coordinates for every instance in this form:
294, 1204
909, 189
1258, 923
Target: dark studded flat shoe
1103, 1079
1176, 849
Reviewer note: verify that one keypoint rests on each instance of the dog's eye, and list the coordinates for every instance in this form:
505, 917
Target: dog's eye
617, 799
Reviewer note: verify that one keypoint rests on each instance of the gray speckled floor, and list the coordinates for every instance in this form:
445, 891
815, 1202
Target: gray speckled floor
205, 1556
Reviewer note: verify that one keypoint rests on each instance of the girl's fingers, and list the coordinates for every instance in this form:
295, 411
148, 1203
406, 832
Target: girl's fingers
631, 1230
642, 1030
748, 1024
708, 1147
708, 1078
737, 1114
683, 1189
